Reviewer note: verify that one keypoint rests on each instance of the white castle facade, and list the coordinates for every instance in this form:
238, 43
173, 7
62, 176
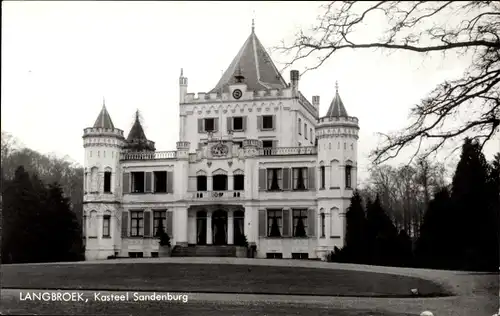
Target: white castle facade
254, 162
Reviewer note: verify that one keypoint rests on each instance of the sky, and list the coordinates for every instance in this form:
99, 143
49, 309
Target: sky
60, 59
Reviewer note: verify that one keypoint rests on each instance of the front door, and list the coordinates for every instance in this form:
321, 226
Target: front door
219, 227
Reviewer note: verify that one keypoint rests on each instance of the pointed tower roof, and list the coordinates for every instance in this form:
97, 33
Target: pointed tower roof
136, 132
337, 108
104, 119
255, 65
136, 139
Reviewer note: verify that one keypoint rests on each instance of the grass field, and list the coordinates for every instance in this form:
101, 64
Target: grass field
13, 307
215, 278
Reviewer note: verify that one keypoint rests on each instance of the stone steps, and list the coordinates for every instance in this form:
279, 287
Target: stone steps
204, 251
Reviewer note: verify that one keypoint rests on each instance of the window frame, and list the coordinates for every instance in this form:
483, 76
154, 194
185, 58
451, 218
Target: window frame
156, 220
264, 120
139, 223
295, 221
106, 219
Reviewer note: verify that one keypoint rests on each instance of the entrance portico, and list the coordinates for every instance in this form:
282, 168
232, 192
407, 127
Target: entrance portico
217, 225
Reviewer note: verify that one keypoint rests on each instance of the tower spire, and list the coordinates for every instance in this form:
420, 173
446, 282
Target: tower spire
336, 86
253, 22
103, 102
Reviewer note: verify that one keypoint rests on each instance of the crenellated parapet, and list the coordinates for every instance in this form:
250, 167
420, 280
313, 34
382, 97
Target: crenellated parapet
102, 137
346, 127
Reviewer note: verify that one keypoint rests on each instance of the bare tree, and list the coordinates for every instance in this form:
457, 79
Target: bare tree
422, 27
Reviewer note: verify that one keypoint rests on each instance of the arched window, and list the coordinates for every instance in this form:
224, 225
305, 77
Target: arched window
322, 224
94, 187
107, 180
93, 224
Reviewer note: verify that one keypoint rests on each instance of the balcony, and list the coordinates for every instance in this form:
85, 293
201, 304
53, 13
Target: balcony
149, 156
216, 195
288, 151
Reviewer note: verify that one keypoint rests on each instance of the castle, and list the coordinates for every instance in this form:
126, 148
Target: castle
255, 164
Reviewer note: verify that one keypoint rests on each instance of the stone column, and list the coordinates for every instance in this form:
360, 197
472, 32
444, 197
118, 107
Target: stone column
249, 226
328, 223
230, 227
99, 222
230, 183
209, 227
181, 226
209, 183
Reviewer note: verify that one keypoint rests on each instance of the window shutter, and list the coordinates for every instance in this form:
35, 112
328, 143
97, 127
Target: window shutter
262, 223
169, 227
200, 126
262, 180
148, 182
192, 184
147, 223
311, 225
170, 182
216, 124
274, 121
286, 223
229, 120
259, 122
311, 173
126, 182
244, 123
124, 223
275, 143
286, 179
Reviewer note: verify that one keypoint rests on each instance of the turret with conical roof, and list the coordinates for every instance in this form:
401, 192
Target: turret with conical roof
337, 108
136, 139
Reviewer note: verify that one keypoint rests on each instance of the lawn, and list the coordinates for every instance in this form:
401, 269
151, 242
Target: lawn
214, 278
11, 306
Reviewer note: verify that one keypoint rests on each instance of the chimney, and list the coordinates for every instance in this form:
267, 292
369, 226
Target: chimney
315, 100
294, 79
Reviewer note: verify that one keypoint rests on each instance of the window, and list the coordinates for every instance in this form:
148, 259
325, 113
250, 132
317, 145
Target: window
274, 179
305, 130
107, 182
348, 170
238, 144
160, 180
137, 182
238, 123
323, 225
345, 146
322, 176
135, 254
311, 134
300, 255
274, 255
209, 125
159, 217
267, 122
154, 254
299, 223
267, 144
201, 183
137, 223
219, 182
239, 182
300, 126
274, 223
106, 223
300, 178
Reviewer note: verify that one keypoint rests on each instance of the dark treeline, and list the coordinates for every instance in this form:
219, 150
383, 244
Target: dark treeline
41, 206
459, 229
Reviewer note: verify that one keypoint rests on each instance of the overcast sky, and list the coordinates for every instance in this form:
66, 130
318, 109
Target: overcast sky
60, 58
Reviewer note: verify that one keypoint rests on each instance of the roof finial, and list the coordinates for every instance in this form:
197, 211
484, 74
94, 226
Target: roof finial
103, 102
253, 22
336, 86
182, 72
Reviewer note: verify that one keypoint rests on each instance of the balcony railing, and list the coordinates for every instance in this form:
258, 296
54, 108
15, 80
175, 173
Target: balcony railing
216, 195
149, 156
288, 151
